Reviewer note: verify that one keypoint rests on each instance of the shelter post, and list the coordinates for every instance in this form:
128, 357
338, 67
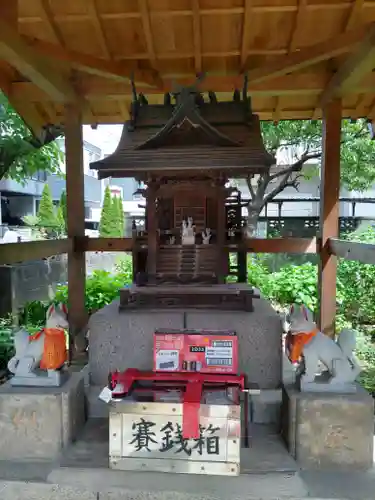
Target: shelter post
75, 216
329, 214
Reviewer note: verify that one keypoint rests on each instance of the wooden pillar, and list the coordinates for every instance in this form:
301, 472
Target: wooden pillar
329, 213
9, 12
76, 217
222, 255
152, 240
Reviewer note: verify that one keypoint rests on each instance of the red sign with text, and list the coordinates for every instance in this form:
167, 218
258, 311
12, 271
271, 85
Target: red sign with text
206, 351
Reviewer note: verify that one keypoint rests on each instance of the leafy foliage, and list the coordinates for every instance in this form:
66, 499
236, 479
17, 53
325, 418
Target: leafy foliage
297, 146
106, 225
101, 287
22, 154
46, 213
63, 207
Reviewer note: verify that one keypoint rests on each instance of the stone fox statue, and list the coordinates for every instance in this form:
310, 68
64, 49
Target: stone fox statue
45, 349
306, 346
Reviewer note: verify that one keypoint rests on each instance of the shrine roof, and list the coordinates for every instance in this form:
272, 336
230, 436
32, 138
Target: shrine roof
190, 135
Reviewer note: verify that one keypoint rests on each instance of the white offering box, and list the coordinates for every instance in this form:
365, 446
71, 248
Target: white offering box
148, 436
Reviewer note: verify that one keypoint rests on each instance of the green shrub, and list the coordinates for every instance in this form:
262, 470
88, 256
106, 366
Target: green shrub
6, 342
101, 289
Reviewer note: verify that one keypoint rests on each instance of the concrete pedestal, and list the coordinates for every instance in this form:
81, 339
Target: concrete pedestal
325, 430
37, 423
120, 340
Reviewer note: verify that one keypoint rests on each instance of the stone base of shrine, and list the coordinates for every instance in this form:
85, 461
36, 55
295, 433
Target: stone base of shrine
327, 430
120, 340
37, 423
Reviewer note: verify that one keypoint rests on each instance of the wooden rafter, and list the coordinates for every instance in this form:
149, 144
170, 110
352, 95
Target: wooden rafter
93, 65
359, 63
100, 89
354, 13
197, 36
49, 19
146, 22
308, 56
245, 33
301, 11
18, 54
95, 18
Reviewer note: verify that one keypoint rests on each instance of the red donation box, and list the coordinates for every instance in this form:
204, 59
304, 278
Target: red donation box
206, 351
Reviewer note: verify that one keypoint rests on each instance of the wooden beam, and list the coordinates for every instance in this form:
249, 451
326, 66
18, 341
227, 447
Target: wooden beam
99, 89
359, 63
329, 214
281, 245
245, 34
355, 13
108, 244
146, 22
351, 250
307, 56
75, 216
49, 19
302, 4
18, 54
11, 253
120, 71
197, 36
97, 23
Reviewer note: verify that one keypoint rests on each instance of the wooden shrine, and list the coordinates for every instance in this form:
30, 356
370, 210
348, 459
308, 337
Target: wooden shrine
185, 151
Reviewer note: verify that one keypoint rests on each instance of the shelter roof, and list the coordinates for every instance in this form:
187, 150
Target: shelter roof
297, 54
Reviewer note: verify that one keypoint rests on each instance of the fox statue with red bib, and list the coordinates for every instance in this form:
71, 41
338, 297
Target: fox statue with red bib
307, 347
40, 358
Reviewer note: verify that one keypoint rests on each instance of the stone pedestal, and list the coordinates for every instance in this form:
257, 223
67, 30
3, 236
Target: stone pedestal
325, 430
37, 423
120, 340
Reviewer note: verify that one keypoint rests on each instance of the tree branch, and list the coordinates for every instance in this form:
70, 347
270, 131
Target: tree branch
285, 182
249, 178
297, 166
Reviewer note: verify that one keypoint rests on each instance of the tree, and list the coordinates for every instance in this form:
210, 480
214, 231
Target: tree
61, 225
107, 225
120, 216
296, 144
46, 213
22, 153
63, 208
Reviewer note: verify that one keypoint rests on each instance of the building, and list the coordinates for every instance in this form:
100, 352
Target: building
20, 200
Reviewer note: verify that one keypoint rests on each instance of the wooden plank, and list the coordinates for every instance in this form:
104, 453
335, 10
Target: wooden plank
197, 36
10, 253
245, 33
279, 245
20, 56
109, 244
308, 56
49, 19
352, 250
329, 214
359, 63
75, 216
97, 23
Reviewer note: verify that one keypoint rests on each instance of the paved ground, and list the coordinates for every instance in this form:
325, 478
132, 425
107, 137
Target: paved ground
268, 472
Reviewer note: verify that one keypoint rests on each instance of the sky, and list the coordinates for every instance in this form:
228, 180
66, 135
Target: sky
105, 137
